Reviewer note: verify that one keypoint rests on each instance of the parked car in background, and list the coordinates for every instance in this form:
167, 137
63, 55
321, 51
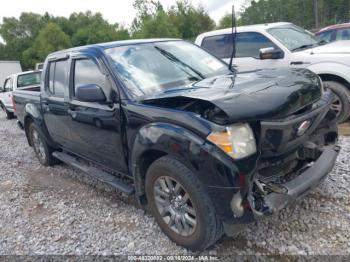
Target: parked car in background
206, 150
279, 45
39, 66
29, 80
8, 68
334, 33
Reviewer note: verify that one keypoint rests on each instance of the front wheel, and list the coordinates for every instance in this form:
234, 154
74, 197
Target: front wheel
180, 205
341, 103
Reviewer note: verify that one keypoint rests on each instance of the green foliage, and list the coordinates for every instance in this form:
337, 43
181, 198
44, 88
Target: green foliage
182, 20
50, 39
300, 12
32, 37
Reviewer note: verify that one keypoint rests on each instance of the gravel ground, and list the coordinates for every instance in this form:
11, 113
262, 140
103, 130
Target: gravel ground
58, 210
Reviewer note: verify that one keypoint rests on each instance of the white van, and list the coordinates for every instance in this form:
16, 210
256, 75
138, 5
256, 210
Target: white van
278, 45
29, 80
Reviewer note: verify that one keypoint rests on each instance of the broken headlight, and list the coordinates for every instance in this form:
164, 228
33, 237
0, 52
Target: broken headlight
237, 140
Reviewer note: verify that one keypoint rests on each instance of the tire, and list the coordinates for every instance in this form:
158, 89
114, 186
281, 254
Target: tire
9, 115
197, 236
42, 150
341, 102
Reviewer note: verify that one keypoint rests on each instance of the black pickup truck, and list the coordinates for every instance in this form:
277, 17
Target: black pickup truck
205, 150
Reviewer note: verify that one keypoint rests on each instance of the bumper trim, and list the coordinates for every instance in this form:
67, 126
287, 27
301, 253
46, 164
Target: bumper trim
306, 181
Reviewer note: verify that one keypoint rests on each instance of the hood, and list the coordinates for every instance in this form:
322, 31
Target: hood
338, 47
266, 94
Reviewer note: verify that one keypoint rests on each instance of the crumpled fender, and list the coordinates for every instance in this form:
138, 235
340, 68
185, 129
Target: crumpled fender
216, 170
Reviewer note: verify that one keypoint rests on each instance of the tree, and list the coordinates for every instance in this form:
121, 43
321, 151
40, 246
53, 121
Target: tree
190, 21
181, 20
87, 28
50, 39
301, 12
19, 34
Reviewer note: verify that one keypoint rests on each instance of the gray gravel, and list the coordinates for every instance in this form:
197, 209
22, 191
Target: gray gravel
60, 211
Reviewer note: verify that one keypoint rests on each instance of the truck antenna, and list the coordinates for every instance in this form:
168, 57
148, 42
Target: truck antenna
234, 34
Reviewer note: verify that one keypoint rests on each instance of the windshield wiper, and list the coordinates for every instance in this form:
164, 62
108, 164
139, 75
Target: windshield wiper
173, 58
303, 47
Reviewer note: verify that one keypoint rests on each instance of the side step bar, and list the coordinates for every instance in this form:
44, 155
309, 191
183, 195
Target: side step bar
95, 173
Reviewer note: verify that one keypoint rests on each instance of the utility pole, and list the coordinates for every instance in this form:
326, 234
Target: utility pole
316, 13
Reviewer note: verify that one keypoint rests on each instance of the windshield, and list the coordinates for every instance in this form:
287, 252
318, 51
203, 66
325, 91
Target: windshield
294, 37
29, 79
157, 67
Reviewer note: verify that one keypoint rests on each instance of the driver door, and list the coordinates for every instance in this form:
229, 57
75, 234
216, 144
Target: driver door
95, 126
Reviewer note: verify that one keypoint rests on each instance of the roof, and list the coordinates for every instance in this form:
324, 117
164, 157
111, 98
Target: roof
103, 46
26, 72
247, 28
332, 27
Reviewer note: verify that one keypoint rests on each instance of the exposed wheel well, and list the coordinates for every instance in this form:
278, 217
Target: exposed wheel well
335, 78
146, 159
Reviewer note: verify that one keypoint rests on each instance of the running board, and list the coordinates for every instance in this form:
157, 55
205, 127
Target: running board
95, 173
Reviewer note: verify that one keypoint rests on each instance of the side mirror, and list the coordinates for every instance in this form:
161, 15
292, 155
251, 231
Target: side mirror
90, 93
271, 53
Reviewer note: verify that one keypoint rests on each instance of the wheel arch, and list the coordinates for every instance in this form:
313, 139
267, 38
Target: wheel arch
27, 121
145, 160
212, 166
335, 78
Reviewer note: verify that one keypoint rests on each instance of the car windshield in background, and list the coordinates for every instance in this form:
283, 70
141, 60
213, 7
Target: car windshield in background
29, 79
157, 67
294, 37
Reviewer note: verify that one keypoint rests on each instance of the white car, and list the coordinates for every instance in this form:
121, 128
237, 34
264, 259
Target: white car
279, 45
29, 80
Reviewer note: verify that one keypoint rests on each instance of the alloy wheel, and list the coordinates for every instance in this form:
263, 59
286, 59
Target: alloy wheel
175, 206
336, 105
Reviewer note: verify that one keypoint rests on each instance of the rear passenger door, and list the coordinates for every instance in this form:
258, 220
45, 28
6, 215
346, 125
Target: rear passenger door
95, 126
54, 100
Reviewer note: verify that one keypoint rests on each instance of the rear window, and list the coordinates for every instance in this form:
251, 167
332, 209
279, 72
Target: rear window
219, 45
30, 79
58, 81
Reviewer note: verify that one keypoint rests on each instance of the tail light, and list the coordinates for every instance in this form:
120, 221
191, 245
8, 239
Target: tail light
13, 104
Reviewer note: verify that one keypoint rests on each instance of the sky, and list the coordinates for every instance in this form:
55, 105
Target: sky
115, 11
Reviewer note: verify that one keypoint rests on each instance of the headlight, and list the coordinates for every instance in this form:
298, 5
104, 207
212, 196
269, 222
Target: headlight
238, 140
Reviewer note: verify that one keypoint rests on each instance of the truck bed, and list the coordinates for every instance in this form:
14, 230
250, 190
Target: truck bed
24, 97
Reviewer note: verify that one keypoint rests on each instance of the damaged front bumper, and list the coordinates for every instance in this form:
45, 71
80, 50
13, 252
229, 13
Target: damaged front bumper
303, 183
292, 190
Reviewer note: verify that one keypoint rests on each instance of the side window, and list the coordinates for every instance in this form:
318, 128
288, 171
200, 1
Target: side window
326, 36
57, 80
219, 45
87, 72
343, 34
247, 45
250, 43
8, 85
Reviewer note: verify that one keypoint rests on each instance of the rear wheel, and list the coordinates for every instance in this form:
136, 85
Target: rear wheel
180, 205
42, 150
341, 103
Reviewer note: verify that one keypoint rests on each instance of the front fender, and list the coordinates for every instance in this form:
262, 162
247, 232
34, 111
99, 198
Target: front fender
331, 68
215, 169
